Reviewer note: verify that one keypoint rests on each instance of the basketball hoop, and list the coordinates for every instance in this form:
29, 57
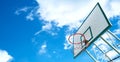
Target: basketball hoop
82, 35
79, 44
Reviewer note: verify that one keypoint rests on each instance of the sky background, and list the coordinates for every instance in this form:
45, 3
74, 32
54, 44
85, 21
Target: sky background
37, 30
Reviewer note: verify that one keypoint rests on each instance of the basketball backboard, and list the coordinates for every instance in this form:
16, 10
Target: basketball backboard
95, 24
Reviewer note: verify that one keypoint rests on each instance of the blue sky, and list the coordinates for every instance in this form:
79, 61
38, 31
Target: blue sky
37, 30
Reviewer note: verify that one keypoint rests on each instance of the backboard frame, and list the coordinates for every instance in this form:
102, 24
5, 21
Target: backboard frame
109, 25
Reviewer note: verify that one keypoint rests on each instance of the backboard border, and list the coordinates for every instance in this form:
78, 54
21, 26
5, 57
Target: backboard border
89, 28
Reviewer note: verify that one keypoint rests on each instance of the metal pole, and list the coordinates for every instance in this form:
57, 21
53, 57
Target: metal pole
110, 45
113, 35
101, 51
91, 55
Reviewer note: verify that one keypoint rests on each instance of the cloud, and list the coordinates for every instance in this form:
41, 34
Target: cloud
118, 22
112, 54
62, 12
67, 44
115, 10
48, 53
5, 57
48, 27
117, 31
19, 11
43, 48
30, 11
30, 16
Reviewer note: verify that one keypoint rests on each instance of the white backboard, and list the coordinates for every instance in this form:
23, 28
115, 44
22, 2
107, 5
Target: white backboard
92, 27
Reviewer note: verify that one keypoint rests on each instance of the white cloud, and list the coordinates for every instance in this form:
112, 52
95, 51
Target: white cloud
117, 31
115, 9
24, 9
48, 28
45, 27
67, 44
30, 16
43, 48
118, 23
112, 54
5, 57
62, 12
